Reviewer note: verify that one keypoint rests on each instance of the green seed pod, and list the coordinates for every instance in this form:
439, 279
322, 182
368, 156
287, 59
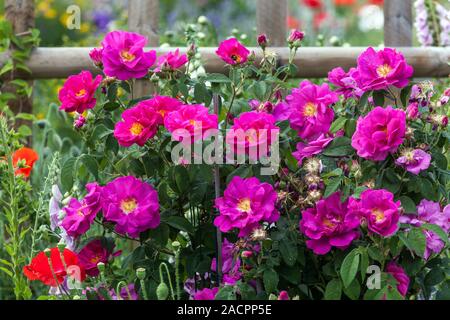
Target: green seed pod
140, 273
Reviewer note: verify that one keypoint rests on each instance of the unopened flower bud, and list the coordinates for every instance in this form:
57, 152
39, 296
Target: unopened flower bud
262, 40
176, 245
191, 51
162, 292
246, 254
295, 38
273, 297
140, 273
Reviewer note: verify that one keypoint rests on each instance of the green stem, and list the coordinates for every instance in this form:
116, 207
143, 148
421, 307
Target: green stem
168, 276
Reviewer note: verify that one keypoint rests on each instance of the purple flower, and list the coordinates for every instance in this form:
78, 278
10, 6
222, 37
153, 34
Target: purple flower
230, 263
172, 61
414, 161
346, 82
400, 276
306, 150
206, 294
430, 212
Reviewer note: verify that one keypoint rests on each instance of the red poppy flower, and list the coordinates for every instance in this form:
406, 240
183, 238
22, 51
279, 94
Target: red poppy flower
313, 4
344, 2
319, 19
39, 268
292, 22
377, 2
29, 155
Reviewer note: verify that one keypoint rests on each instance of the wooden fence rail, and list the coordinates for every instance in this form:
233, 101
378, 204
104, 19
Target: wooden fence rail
271, 19
311, 62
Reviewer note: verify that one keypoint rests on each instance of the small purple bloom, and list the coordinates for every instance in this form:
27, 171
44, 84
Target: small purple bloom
414, 161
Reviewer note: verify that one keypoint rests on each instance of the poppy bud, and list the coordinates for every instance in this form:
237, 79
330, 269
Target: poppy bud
162, 292
262, 40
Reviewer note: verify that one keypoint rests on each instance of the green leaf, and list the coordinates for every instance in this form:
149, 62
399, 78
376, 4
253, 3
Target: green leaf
333, 291
349, 267
434, 277
289, 252
332, 186
226, 293
338, 124
182, 179
90, 163
217, 78
415, 241
408, 204
339, 147
364, 264
180, 223
427, 189
353, 290
270, 278
378, 98
67, 173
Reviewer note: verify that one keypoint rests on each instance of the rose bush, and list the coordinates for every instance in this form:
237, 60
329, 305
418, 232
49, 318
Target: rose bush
360, 184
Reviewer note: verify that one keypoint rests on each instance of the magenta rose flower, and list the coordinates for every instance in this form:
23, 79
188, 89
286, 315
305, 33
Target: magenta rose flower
311, 114
138, 125
132, 204
379, 70
252, 133
379, 210
78, 219
172, 61
414, 161
245, 204
81, 214
379, 133
400, 276
123, 55
162, 105
190, 123
232, 52
78, 92
206, 294
309, 149
93, 253
346, 82
430, 212
329, 224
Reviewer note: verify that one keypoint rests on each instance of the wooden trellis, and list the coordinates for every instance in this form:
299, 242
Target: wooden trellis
271, 19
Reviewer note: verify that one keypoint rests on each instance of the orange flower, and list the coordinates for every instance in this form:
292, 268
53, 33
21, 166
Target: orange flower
344, 2
29, 155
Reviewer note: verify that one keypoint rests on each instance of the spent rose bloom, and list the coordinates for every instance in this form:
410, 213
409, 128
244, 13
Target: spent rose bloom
123, 55
231, 263
78, 92
171, 60
379, 70
329, 224
206, 294
430, 212
138, 125
190, 123
252, 133
414, 161
346, 82
400, 276
245, 204
232, 52
379, 133
132, 204
378, 209
311, 113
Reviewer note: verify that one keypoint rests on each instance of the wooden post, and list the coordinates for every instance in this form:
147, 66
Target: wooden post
271, 16
398, 23
143, 18
20, 13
